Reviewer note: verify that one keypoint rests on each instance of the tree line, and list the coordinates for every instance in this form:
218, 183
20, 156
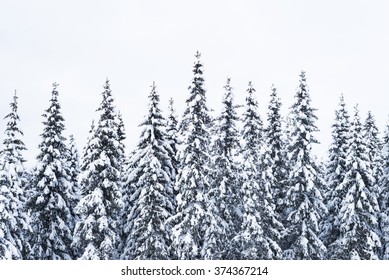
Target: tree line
197, 187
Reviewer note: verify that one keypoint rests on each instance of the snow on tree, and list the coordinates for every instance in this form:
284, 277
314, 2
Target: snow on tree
272, 170
14, 221
96, 234
148, 237
73, 160
303, 198
374, 147
260, 230
358, 215
276, 145
384, 197
50, 204
121, 136
172, 138
335, 173
192, 219
224, 195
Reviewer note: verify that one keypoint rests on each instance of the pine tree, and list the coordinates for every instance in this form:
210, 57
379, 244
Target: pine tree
224, 196
172, 138
384, 197
276, 146
260, 229
50, 204
148, 237
335, 173
73, 160
121, 136
357, 217
130, 177
273, 177
303, 198
96, 234
192, 218
14, 221
374, 147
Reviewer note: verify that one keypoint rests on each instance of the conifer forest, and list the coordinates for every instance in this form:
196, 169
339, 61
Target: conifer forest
223, 186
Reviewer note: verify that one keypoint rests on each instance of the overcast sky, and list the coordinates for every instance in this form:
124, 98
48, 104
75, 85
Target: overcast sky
342, 45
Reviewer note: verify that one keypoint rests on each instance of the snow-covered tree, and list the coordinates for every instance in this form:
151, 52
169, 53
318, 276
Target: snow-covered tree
275, 150
192, 219
121, 137
224, 195
73, 160
96, 234
172, 137
260, 230
14, 221
148, 236
335, 173
384, 196
374, 148
52, 195
303, 198
358, 215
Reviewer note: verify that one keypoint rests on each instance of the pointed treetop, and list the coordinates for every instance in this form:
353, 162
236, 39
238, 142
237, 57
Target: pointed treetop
302, 75
250, 88
356, 109
55, 85
171, 103
228, 87
198, 55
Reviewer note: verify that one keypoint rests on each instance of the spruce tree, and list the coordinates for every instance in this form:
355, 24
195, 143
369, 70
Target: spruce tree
335, 173
121, 136
374, 148
384, 196
273, 177
50, 204
276, 150
14, 221
96, 234
153, 203
172, 138
73, 160
260, 229
303, 198
224, 196
358, 215
192, 218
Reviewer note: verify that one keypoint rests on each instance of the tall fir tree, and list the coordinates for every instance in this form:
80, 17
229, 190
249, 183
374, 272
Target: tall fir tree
224, 196
335, 173
121, 136
257, 237
172, 137
50, 204
384, 197
96, 234
73, 161
275, 144
358, 215
14, 220
273, 178
303, 198
148, 237
374, 148
192, 218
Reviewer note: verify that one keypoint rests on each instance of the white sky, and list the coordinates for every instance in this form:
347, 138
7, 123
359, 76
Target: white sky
343, 46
